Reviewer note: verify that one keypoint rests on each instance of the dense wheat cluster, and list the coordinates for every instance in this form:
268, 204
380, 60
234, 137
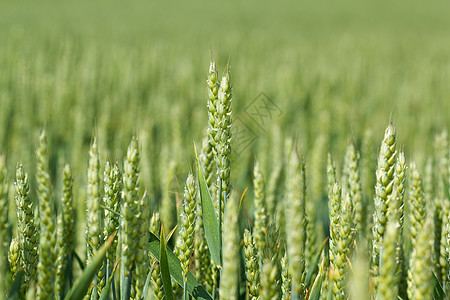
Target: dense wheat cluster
235, 162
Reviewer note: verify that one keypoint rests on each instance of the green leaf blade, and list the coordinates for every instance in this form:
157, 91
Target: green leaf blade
81, 286
15, 289
210, 220
314, 268
315, 289
164, 265
107, 287
194, 288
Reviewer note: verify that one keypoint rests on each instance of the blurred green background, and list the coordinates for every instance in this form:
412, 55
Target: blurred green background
113, 68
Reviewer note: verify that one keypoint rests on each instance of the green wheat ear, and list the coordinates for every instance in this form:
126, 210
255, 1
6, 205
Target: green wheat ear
155, 228
251, 265
141, 265
28, 233
207, 160
113, 188
285, 279
442, 205
47, 242
383, 189
157, 283
14, 258
222, 142
396, 208
417, 204
130, 209
296, 224
420, 271
213, 90
94, 213
4, 207
341, 240
185, 239
260, 208
66, 232
209, 141
354, 188
269, 284
388, 279
230, 252
331, 176
359, 282
4, 230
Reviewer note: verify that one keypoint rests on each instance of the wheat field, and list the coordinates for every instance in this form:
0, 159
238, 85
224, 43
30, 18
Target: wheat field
232, 150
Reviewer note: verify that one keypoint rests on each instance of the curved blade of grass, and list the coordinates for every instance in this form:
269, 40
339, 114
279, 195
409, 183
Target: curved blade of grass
438, 289
242, 198
15, 289
79, 260
314, 268
170, 234
315, 289
164, 265
147, 281
81, 286
194, 288
110, 210
105, 291
210, 220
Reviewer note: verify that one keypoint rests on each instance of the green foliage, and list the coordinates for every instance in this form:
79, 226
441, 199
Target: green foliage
324, 78
164, 267
194, 288
81, 286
